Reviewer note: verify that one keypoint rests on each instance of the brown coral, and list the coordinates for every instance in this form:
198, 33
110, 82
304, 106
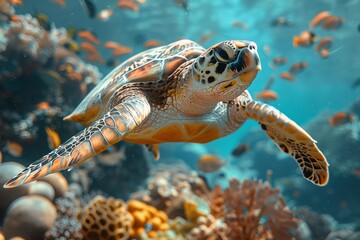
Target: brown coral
253, 210
106, 219
145, 215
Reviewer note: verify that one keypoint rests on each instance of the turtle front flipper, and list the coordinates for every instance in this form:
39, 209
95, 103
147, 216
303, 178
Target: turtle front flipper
103, 133
291, 139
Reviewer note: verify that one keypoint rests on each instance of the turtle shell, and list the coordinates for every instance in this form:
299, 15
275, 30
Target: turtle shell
152, 65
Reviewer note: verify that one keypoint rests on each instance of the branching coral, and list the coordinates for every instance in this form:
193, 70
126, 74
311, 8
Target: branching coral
253, 210
106, 219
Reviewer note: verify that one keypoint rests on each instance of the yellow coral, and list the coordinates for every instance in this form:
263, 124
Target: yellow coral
144, 215
195, 207
106, 219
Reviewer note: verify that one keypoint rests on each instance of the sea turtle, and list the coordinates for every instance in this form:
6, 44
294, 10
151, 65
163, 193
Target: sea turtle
178, 93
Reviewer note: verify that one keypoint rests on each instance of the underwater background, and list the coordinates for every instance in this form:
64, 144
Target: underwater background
52, 53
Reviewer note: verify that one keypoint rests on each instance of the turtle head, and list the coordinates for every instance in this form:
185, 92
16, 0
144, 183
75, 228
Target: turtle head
226, 70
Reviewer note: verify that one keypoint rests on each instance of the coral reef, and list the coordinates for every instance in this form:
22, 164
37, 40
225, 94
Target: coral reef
343, 235
29, 217
65, 228
320, 225
58, 182
254, 210
147, 220
117, 172
42, 189
106, 219
34, 58
209, 228
67, 224
167, 187
7, 196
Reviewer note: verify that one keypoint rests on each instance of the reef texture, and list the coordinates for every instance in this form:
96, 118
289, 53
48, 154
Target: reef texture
168, 186
32, 58
106, 219
147, 220
253, 210
67, 224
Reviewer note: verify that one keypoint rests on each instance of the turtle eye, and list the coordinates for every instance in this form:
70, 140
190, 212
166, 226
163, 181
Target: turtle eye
224, 53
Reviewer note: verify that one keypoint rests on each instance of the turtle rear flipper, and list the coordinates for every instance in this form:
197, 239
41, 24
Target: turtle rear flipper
106, 131
154, 149
291, 139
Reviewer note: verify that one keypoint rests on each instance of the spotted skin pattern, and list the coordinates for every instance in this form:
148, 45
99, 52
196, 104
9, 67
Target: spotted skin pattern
108, 130
289, 137
178, 93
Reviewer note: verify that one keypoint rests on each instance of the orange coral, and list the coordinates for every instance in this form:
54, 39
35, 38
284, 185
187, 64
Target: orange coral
106, 219
253, 210
143, 215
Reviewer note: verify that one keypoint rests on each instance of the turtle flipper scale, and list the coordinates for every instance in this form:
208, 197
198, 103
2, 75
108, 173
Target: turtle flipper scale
291, 139
94, 139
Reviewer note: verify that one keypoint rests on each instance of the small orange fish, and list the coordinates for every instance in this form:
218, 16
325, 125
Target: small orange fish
60, 2
117, 49
104, 15
1, 157
43, 106
341, 118
296, 193
209, 163
15, 18
152, 43
305, 38
88, 47
14, 149
83, 89
281, 21
319, 18
267, 95
95, 58
279, 61
356, 172
240, 24
240, 150
53, 138
69, 71
128, 4
206, 37
333, 22
323, 46
88, 36
298, 67
287, 76
15, 2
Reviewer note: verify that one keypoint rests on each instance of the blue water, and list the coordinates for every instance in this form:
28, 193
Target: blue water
322, 89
